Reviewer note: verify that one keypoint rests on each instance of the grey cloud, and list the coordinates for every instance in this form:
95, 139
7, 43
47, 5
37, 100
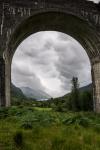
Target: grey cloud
95, 1
50, 55
62, 37
23, 75
70, 65
27, 80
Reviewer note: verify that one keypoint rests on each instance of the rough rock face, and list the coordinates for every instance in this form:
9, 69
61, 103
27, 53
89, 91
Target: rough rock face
20, 18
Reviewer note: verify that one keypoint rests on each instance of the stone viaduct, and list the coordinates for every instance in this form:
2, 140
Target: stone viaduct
21, 18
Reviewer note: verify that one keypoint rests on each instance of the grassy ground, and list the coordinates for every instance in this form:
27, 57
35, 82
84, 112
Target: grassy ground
42, 109
24, 128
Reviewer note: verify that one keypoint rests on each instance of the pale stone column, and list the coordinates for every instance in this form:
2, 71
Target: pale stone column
7, 80
2, 82
7, 85
96, 85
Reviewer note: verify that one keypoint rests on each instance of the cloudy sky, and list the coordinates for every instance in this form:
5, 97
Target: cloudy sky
48, 61
96, 1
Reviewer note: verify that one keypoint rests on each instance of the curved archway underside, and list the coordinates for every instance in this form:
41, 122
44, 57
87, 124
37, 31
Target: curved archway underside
76, 18
66, 23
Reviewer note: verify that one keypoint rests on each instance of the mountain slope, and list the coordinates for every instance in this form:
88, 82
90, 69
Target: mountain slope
26, 92
86, 88
82, 89
16, 92
60, 101
35, 93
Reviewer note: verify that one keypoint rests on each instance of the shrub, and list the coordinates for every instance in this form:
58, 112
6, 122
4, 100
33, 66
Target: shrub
18, 139
77, 119
3, 113
59, 108
27, 125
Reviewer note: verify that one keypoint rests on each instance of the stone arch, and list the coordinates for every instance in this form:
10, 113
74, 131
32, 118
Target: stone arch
74, 26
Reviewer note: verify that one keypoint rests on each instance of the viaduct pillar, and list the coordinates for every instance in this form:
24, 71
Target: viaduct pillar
96, 85
2, 82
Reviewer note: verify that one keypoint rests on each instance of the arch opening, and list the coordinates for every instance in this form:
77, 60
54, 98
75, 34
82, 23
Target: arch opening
77, 28
47, 61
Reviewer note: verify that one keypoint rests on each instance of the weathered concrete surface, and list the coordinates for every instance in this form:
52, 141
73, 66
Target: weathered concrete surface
96, 90
78, 18
2, 82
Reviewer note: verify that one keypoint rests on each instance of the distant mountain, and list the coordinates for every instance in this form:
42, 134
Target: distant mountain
35, 93
63, 99
26, 92
16, 92
86, 88
81, 89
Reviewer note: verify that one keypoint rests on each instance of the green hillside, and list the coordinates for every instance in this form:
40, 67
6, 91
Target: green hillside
16, 92
18, 98
63, 103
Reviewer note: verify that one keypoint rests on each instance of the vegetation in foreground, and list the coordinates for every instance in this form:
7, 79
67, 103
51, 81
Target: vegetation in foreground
31, 128
80, 99
56, 124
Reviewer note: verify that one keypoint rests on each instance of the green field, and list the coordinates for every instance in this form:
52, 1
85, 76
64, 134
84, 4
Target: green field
27, 128
42, 109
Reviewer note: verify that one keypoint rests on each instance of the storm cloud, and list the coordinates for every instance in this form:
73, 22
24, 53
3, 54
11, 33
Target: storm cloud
48, 61
95, 1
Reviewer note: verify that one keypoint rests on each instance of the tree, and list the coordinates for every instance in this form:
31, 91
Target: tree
74, 96
86, 101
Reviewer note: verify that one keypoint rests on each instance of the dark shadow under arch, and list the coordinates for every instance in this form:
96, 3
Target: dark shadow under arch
56, 21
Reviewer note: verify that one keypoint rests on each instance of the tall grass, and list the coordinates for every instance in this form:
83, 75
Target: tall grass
29, 129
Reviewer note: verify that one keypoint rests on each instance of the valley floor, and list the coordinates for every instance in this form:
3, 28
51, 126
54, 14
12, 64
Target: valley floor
27, 128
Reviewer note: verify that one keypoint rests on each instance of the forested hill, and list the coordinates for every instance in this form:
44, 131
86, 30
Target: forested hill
86, 88
35, 93
83, 89
28, 93
16, 92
